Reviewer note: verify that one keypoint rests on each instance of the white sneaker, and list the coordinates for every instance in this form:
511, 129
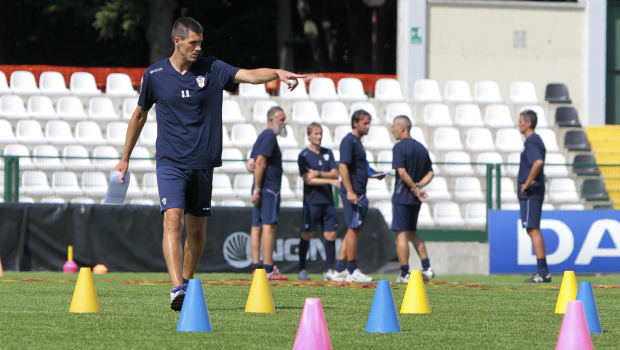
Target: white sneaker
177, 295
340, 276
427, 275
358, 276
403, 279
329, 275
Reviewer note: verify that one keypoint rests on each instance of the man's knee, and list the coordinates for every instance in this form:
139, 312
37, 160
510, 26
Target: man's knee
307, 235
173, 219
330, 235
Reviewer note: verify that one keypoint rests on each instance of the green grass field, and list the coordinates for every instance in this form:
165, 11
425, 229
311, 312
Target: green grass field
467, 312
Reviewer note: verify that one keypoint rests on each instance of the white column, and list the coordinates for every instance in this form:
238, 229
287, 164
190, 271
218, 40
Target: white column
595, 70
411, 43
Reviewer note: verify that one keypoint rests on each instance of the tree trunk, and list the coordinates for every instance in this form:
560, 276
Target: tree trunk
161, 19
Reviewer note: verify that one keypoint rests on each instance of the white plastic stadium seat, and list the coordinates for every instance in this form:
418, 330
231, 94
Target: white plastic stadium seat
462, 166
384, 159
555, 165
563, 191
340, 132
447, 214
243, 135
65, 184
523, 92
468, 116
233, 203
142, 201
260, 109
289, 141
6, 133
82, 200
289, 161
133, 190
487, 92
351, 89
549, 139
498, 116
385, 208
34, 183
52, 200
387, 89
88, 133
476, 214
226, 142
305, 112
437, 114
489, 158
77, 158
426, 91
479, 140
4, 85
253, 91
21, 151
335, 113
23, 83
102, 109
83, 84
437, 189
232, 161
447, 139
105, 157
292, 204
377, 190
53, 84
47, 157
115, 133
322, 89
285, 191
457, 91
242, 184
508, 140
231, 112
366, 106
540, 115
141, 160
94, 184
149, 185
12, 107
222, 187
424, 217
119, 85
508, 193
378, 138
418, 135
129, 106
299, 93
29, 132
514, 159
571, 206
70, 108
148, 136
395, 109
41, 107
468, 189
326, 141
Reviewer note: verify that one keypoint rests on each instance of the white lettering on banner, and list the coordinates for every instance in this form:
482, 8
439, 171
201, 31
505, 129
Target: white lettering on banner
590, 248
566, 243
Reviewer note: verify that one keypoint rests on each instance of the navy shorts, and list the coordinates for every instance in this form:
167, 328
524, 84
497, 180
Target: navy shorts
405, 217
315, 213
354, 215
189, 189
266, 212
530, 212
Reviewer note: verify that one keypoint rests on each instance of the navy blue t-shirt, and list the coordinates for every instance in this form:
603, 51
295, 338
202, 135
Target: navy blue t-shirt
322, 161
189, 111
267, 145
533, 150
353, 154
413, 157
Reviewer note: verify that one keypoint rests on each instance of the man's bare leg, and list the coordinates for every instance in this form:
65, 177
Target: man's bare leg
194, 243
267, 243
537, 242
255, 237
173, 250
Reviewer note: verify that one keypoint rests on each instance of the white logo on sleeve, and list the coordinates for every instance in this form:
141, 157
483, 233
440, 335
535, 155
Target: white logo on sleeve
163, 201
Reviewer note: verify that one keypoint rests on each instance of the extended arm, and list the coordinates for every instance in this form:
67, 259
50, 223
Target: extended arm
134, 128
264, 75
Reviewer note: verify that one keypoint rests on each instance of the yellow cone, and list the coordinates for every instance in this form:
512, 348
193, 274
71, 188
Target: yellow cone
84, 295
415, 300
568, 291
259, 299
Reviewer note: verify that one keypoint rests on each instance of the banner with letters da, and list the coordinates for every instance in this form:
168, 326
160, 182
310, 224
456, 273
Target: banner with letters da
582, 241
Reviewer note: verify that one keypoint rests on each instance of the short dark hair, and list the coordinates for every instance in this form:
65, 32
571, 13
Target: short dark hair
405, 119
313, 125
183, 25
272, 112
530, 116
358, 115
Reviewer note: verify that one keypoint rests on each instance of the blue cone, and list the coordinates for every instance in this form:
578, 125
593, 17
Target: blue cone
194, 314
586, 296
383, 317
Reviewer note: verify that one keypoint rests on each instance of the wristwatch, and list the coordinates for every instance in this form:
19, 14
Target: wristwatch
418, 186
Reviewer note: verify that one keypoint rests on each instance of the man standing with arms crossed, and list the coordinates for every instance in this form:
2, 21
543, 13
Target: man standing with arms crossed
187, 89
354, 172
531, 191
266, 164
413, 168
318, 169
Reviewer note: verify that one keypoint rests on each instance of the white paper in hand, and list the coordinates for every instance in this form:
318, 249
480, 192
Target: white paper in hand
117, 190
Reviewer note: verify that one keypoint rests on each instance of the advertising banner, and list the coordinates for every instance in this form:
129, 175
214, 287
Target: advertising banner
581, 241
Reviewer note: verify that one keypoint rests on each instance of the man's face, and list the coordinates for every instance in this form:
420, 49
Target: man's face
363, 125
190, 47
523, 125
315, 136
396, 130
279, 123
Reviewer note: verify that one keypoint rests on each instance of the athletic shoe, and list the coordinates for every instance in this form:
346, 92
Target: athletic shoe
329, 275
303, 275
275, 275
339, 276
537, 278
403, 279
428, 275
358, 276
177, 295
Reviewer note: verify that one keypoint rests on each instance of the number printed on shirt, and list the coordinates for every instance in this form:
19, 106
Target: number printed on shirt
185, 93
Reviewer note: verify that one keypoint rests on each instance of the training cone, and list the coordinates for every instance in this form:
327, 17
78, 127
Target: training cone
574, 333
194, 314
415, 300
585, 295
568, 291
84, 295
70, 266
259, 299
383, 317
312, 332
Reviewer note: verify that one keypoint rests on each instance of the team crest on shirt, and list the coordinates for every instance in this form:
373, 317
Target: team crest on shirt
326, 157
201, 81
